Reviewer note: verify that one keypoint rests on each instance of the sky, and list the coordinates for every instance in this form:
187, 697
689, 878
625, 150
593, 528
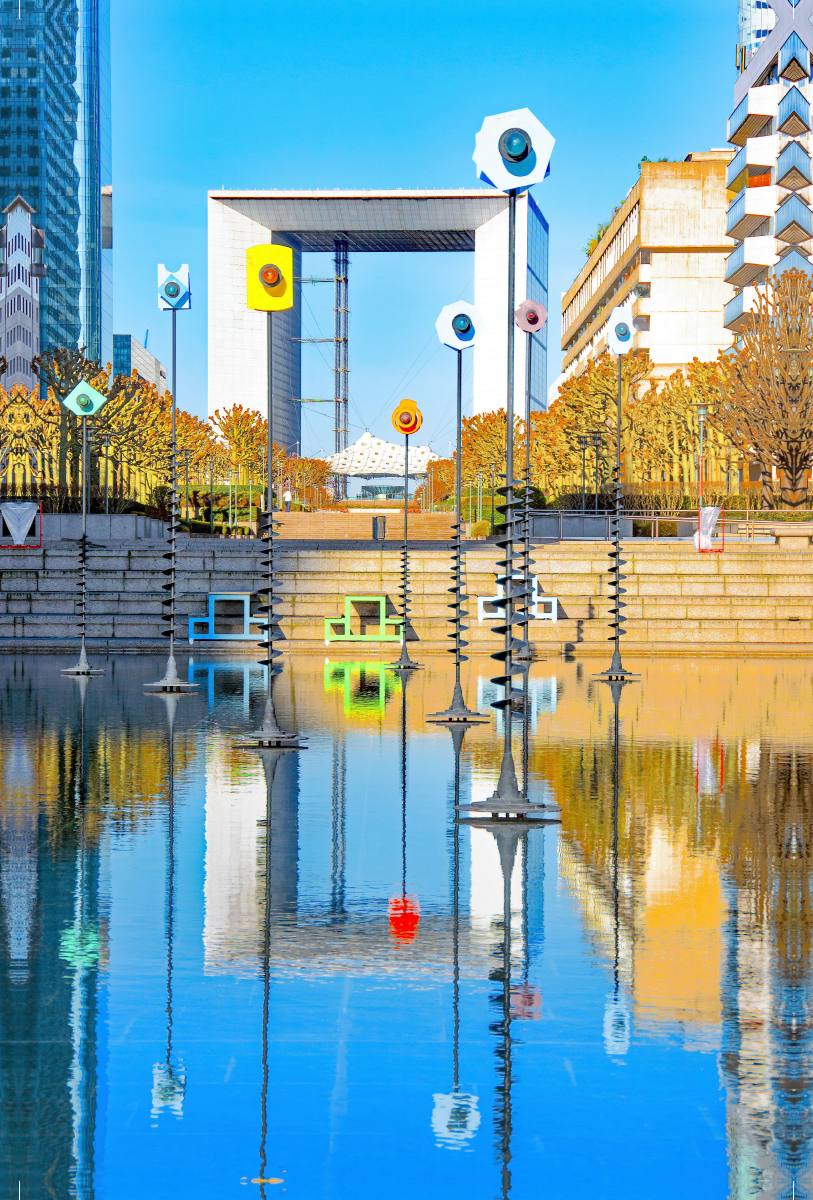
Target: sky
281, 94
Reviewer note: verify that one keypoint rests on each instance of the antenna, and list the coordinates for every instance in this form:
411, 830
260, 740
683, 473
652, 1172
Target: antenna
146, 338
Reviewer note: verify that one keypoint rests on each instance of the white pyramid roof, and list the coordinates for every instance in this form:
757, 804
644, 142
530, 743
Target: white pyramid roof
370, 457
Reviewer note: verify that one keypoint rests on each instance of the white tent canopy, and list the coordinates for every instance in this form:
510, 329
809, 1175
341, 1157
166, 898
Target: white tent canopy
370, 457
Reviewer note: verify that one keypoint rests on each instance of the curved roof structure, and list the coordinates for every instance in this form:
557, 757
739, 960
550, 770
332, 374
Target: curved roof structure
371, 457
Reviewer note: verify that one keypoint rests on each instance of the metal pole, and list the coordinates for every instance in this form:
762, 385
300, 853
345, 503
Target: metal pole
106, 464
700, 464
583, 441
596, 443
173, 514
211, 498
186, 453
492, 501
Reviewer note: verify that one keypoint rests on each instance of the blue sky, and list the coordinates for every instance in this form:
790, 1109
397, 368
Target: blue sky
372, 95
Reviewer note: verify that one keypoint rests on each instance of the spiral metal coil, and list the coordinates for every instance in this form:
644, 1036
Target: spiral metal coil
459, 613
525, 653
616, 669
270, 625
169, 601
513, 600
617, 563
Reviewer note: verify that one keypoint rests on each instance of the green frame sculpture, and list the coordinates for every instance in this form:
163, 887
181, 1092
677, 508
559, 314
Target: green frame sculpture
346, 618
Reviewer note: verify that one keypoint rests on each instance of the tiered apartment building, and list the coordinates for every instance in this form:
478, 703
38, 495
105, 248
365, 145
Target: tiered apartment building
667, 244
769, 178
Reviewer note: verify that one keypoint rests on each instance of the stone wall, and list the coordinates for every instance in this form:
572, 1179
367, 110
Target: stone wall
749, 599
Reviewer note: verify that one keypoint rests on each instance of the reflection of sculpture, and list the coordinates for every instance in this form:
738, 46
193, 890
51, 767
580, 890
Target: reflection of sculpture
455, 1118
404, 910
168, 1077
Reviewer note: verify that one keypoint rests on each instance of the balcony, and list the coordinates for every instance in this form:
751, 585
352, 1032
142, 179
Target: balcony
749, 260
751, 208
795, 260
757, 158
793, 117
794, 59
793, 167
739, 311
749, 117
794, 220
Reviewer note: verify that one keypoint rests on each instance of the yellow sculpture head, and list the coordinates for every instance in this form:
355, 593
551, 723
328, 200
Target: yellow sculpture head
270, 278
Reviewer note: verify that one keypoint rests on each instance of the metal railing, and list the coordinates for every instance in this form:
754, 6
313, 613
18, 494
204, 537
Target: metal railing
585, 525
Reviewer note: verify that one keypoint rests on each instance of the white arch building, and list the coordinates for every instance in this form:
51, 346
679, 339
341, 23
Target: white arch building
367, 222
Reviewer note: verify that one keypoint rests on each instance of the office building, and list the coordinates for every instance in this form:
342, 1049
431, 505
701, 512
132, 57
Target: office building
55, 153
21, 280
756, 20
346, 223
129, 355
667, 245
769, 177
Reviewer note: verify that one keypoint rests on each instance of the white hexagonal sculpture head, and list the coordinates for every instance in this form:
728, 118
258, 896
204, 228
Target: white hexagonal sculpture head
512, 150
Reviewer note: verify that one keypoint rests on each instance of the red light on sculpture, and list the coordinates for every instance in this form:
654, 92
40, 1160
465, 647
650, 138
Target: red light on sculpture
405, 915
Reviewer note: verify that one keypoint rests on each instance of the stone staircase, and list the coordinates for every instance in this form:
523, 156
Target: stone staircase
755, 598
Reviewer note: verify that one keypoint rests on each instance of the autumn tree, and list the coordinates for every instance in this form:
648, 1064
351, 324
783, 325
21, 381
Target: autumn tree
761, 395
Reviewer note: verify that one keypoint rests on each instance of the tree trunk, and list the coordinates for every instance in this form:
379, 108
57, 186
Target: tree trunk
767, 487
63, 447
794, 487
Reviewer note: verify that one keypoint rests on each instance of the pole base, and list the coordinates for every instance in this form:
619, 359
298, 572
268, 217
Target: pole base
457, 713
82, 667
615, 671
170, 685
499, 809
172, 681
267, 739
405, 663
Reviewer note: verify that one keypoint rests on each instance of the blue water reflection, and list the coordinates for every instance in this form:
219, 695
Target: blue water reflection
228, 972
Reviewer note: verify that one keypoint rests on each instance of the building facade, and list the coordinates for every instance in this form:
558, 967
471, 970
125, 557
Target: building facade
21, 280
756, 20
55, 153
366, 222
491, 297
129, 355
769, 177
667, 245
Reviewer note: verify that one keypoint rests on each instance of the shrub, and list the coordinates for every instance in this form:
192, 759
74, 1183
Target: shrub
480, 529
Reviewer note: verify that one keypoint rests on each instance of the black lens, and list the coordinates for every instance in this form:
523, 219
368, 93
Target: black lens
622, 330
271, 276
172, 289
84, 401
515, 145
461, 323
532, 316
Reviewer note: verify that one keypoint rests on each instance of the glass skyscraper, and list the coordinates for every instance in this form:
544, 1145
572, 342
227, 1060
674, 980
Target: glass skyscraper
537, 289
55, 153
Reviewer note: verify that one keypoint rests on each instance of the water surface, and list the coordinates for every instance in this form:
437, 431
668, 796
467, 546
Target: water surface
221, 967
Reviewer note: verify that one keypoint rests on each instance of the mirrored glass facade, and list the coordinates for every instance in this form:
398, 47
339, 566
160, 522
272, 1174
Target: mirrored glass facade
537, 289
55, 153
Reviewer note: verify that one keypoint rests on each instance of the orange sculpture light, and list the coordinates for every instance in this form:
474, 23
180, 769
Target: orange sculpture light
407, 417
405, 915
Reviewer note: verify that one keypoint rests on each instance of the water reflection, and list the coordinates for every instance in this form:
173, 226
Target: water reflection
206, 945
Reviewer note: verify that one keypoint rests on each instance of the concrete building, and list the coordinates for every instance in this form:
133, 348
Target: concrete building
21, 278
55, 153
365, 222
667, 244
769, 177
129, 355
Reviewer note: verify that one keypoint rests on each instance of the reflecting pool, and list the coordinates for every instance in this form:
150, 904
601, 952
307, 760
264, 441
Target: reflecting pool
228, 972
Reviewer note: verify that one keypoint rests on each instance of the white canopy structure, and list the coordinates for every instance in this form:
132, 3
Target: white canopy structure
370, 457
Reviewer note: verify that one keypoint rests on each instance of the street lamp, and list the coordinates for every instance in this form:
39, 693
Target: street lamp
619, 338
173, 296
457, 328
702, 412
512, 152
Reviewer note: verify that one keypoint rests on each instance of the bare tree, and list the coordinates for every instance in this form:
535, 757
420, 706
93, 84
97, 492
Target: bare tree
765, 403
